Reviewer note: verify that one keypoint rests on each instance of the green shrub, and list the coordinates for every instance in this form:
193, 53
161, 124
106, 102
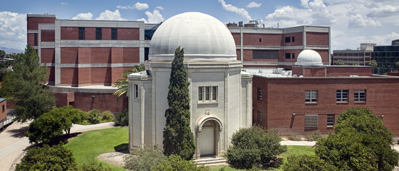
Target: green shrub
253, 147
294, 137
314, 136
307, 163
122, 118
94, 116
176, 163
47, 158
108, 116
144, 158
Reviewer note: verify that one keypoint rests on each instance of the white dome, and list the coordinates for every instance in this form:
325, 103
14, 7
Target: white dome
309, 58
202, 36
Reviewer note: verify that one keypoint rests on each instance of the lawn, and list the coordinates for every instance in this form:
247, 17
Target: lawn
89, 145
292, 150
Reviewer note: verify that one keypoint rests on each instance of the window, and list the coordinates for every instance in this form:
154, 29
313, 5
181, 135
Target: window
208, 94
81, 33
287, 39
330, 120
114, 33
35, 39
260, 39
3, 108
98, 33
287, 55
265, 54
136, 91
259, 118
360, 96
293, 55
311, 96
293, 39
259, 94
342, 95
311, 122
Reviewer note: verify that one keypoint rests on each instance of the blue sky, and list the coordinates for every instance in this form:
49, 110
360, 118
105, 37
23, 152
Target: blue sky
352, 21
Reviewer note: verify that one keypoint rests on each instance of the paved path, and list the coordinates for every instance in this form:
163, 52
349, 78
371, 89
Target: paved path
13, 141
304, 143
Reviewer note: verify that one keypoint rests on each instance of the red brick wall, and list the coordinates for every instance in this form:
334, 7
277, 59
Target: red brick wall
346, 71
69, 76
117, 55
51, 72
63, 98
69, 33
101, 55
90, 33
48, 36
282, 55
84, 56
298, 39
128, 34
250, 39
3, 114
315, 72
101, 75
396, 73
31, 39
324, 55
285, 96
237, 38
33, 22
238, 52
131, 55
106, 33
320, 39
102, 102
69, 55
10, 104
84, 76
47, 55
116, 74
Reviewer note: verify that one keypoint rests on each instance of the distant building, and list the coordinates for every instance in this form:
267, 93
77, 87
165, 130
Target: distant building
362, 56
386, 57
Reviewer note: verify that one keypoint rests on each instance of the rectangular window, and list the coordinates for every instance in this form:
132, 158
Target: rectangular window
259, 94
311, 121
81, 33
311, 96
260, 39
114, 33
293, 39
35, 39
287, 39
259, 118
287, 55
265, 54
293, 55
330, 120
208, 94
3, 108
136, 91
360, 96
342, 95
98, 33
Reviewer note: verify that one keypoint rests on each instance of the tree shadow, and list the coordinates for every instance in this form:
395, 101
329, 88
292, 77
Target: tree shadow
18, 133
122, 148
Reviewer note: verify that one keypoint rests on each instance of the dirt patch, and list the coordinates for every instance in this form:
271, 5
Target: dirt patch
115, 158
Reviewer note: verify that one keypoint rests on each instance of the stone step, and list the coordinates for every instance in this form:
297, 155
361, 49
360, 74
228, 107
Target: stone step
206, 161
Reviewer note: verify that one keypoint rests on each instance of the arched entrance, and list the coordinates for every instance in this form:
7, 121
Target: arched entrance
209, 128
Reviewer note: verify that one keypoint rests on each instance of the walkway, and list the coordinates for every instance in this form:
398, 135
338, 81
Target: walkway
14, 143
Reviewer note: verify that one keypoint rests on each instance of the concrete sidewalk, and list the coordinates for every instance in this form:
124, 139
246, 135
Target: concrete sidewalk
303, 143
14, 143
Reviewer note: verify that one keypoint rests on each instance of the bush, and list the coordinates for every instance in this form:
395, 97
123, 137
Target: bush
144, 158
94, 116
307, 163
361, 142
47, 158
314, 136
176, 163
253, 147
122, 118
107, 116
294, 137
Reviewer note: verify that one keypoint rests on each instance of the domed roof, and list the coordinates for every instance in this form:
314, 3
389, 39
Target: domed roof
202, 36
309, 58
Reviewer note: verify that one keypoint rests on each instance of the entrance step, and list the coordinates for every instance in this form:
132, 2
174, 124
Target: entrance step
211, 161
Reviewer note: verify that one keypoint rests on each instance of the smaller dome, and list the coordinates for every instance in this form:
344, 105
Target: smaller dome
309, 58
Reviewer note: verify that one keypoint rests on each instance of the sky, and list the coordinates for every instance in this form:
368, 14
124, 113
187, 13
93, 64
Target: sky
352, 21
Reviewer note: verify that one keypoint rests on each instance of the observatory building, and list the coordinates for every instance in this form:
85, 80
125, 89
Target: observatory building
220, 92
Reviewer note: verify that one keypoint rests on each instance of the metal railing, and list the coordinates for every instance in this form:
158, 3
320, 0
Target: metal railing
8, 119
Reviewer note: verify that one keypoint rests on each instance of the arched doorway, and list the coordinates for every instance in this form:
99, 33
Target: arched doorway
209, 128
207, 138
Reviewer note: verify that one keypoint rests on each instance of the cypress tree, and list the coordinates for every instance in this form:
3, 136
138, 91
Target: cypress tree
177, 135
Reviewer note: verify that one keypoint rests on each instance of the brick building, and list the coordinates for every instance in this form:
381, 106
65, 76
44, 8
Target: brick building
362, 55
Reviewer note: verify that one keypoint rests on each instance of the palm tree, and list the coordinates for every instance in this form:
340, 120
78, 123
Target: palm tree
123, 83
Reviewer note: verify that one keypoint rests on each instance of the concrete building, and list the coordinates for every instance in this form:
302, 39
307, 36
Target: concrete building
362, 55
313, 97
221, 94
386, 57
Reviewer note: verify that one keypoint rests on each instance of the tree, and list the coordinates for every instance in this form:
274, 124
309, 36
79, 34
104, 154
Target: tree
340, 62
305, 163
123, 83
355, 63
142, 159
253, 147
176, 163
361, 142
177, 135
373, 63
397, 64
25, 85
2, 54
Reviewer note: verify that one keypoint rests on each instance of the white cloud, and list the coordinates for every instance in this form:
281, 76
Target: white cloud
12, 30
253, 5
359, 21
159, 7
83, 16
109, 15
137, 6
286, 12
384, 11
320, 14
305, 3
231, 8
142, 19
62, 3
154, 17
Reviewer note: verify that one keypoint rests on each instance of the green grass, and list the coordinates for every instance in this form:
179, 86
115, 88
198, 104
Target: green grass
89, 145
292, 150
